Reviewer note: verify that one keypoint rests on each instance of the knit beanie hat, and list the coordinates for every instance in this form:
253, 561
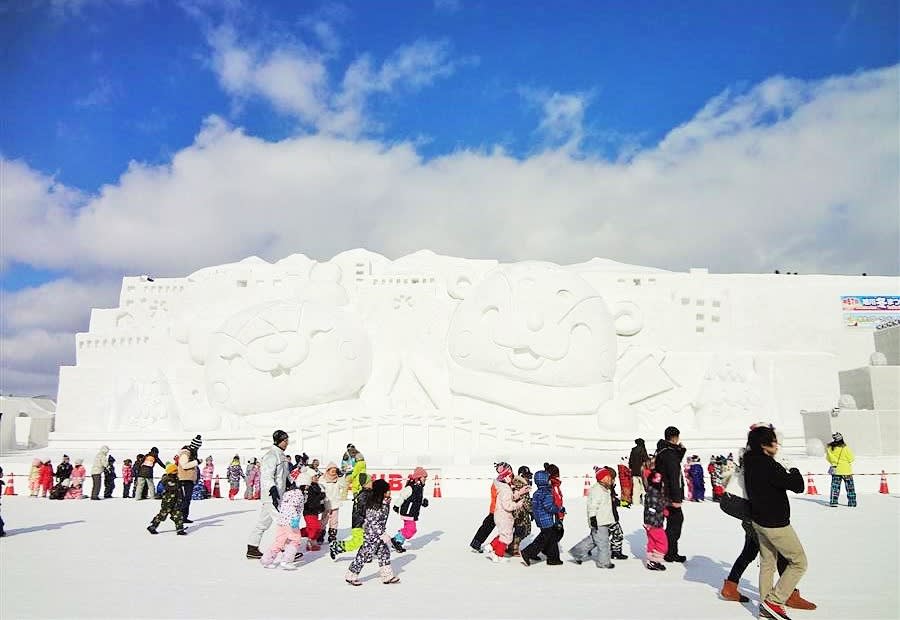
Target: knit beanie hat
602, 474
418, 474
171, 468
837, 437
504, 471
196, 442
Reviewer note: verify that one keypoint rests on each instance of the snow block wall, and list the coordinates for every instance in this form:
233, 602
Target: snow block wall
455, 358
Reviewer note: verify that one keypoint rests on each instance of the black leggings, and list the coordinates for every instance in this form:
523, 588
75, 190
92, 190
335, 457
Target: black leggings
674, 522
487, 526
749, 553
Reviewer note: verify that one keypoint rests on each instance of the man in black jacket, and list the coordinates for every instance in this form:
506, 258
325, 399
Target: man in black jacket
767, 483
669, 453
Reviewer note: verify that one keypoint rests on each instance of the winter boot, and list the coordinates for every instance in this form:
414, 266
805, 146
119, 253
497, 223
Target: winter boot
253, 552
312, 546
396, 544
152, 530
289, 558
181, 532
729, 592
332, 534
352, 578
655, 566
387, 575
674, 557
798, 602
618, 555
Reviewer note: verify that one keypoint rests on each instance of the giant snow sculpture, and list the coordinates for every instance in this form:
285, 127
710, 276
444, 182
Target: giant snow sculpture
437, 357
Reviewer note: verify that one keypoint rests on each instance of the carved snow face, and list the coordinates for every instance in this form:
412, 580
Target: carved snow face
536, 324
286, 354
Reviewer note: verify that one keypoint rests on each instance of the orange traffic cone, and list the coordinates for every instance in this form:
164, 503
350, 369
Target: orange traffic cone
587, 485
810, 485
882, 489
11, 485
437, 486
216, 491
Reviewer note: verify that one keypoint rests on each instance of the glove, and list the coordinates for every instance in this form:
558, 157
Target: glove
424, 503
593, 523
273, 493
295, 523
397, 509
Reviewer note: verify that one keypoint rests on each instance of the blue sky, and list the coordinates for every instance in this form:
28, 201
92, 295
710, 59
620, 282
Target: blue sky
144, 136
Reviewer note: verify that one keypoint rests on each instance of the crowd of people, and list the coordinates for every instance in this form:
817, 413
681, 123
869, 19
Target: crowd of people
303, 502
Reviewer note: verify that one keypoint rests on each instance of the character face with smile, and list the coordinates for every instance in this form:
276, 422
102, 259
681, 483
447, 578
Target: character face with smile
537, 324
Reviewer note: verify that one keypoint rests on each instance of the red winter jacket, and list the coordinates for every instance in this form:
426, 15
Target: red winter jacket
45, 478
557, 494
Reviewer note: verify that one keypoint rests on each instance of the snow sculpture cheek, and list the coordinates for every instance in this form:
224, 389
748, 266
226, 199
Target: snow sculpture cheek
285, 354
532, 325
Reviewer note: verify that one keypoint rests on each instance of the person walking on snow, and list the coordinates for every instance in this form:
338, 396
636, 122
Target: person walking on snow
171, 504
357, 520
507, 504
600, 517
207, 474
333, 485
840, 457
522, 517
654, 520
378, 508
235, 475
285, 547
547, 516
145, 475
273, 477
767, 483
616, 535
408, 505
253, 490
488, 524
669, 453
308, 481
187, 476
698, 485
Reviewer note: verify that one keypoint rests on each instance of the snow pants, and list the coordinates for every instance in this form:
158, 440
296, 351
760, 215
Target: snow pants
267, 512
487, 526
287, 541
547, 542
657, 543
638, 491
625, 483
95, 486
140, 484
407, 531
836, 489
370, 550
169, 509
355, 541
234, 490
597, 538
616, 537
312, 529
749, 553
774, 541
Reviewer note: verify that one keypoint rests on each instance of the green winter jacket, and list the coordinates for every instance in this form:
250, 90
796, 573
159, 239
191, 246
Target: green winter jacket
841, 458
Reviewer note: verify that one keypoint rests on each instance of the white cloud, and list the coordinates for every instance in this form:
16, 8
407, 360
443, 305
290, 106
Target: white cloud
790, 174
100, 95
295, 77
447, 6
562, 117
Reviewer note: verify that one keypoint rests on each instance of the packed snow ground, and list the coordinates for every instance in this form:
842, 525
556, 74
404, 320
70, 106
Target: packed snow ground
84, 559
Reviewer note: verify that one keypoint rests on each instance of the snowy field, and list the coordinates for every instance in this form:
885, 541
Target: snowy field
83, 559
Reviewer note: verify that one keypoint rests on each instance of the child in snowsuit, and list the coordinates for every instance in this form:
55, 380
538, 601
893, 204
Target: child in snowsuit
235, 475
135, 471
308, 482
127, 477
76, 481
698, 486
616, 535
548, 517
521, 485
506, 505
378, 507
333, 485
410, 502
34, 477
600, 517
252, 491
287, 541
353, 480
207, 474
487, 525
171, 502
109, 477
654, 521
626, 483
46, 478
688, 481
357, 520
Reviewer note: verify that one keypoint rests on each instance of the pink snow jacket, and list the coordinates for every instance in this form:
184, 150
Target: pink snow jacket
506, 505
291, 506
